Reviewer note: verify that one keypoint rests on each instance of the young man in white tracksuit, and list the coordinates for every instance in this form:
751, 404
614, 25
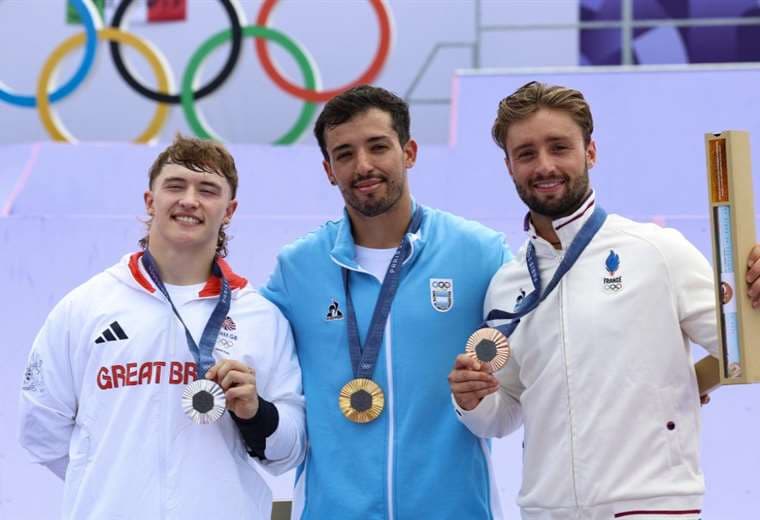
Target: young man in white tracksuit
601, 371
102, 397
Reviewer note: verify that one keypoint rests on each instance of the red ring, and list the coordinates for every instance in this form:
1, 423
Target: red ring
316, 96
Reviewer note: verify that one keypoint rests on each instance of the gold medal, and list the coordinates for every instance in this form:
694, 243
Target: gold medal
489, 346
361, 400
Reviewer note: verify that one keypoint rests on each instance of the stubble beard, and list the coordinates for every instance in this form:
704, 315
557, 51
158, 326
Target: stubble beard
575, 192
372, 207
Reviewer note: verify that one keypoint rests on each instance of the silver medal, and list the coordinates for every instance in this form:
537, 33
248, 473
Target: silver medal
203, 401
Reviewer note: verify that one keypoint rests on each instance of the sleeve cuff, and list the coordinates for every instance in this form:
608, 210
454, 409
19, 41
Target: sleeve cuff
476, 418
256, 429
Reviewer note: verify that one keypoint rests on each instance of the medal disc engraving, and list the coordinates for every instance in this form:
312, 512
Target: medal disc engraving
489, 346
203, 401
361, 400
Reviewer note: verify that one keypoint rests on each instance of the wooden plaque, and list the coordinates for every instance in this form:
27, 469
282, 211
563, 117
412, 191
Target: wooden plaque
732, 222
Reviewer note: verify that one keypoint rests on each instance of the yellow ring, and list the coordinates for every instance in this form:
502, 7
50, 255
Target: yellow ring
50, 119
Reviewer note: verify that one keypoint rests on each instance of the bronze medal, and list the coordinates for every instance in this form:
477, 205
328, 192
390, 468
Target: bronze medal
489, 346
361, 400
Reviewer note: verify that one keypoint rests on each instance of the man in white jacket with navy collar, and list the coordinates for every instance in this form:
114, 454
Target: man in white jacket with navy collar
601, 370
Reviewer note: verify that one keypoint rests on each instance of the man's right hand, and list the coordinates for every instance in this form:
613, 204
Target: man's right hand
471, 381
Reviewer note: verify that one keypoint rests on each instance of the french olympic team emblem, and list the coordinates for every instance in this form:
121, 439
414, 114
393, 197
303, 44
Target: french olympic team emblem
612, 283
442, 294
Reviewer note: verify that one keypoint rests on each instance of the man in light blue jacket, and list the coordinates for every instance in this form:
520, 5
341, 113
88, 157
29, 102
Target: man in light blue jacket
380, 301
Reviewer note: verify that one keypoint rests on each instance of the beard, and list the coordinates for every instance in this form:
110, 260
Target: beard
575, 193
375, 205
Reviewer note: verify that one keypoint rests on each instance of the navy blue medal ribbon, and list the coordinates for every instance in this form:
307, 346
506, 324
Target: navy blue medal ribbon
364, 359
531, 301
202, 351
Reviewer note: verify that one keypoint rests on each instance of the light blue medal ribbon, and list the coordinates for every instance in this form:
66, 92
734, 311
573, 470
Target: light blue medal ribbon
532, 300
203, 351
361, 400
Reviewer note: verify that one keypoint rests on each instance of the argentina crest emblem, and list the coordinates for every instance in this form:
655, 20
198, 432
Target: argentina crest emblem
442, 294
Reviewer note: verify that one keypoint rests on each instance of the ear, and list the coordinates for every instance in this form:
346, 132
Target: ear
591, 154
329, 173
231, 208
148, 198
410, 153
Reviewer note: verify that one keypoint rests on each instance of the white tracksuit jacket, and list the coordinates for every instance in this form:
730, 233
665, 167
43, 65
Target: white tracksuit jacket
602, 375
101, 401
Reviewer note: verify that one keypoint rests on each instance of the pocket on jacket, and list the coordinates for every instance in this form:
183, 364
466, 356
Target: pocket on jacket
671, 423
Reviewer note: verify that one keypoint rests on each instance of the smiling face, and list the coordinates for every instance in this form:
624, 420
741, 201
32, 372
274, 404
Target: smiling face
368, 164
187, 209
549, 162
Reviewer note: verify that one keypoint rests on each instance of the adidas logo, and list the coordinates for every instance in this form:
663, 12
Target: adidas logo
114, 332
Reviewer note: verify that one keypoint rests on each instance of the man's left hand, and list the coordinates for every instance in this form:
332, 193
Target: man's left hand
753, 276
239, 384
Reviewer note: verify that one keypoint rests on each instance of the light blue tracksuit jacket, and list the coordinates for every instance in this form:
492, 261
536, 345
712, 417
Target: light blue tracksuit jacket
416, 460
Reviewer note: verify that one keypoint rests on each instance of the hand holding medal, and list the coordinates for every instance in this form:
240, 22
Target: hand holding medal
238, 383
471, 381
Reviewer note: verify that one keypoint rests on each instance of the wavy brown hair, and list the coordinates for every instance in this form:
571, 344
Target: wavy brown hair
199, 156
532, 96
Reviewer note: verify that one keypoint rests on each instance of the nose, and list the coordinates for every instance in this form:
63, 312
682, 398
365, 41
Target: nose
363, 163
544, 163
189, 198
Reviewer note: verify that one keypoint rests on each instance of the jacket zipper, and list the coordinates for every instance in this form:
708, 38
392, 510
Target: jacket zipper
391, 415
571, 423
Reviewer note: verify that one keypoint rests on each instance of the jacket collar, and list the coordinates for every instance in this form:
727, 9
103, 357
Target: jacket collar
565, 227
343, 251
213, 284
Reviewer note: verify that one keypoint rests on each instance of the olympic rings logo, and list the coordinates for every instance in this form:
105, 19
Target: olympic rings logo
164, 96
224, 342
441, 285
613, 286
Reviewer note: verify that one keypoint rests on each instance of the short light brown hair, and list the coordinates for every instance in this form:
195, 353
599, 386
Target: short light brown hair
532, 96
199, 156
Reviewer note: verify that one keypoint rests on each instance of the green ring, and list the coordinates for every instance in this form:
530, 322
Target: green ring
254, 31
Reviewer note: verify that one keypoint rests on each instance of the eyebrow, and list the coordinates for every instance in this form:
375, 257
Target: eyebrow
373, 139
167, 180
339, 148
552, 139
522, 147
211, 184
183, 180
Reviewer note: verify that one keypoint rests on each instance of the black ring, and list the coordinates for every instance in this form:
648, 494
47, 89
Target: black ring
229, 65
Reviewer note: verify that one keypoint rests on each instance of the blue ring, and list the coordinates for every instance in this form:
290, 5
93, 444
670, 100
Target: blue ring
89, 57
